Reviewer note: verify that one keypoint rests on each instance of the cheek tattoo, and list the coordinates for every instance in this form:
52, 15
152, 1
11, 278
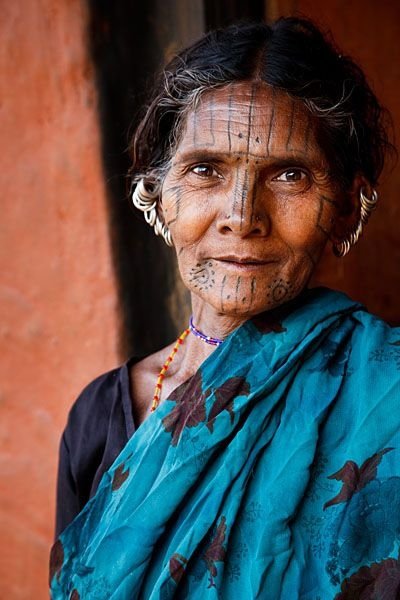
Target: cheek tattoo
279, 290
202, 275
176, 192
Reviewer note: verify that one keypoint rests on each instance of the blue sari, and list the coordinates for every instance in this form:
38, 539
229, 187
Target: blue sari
272, 473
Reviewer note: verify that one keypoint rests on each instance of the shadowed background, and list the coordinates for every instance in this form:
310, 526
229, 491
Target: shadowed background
85, 283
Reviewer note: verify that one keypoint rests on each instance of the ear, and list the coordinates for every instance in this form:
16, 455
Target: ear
349, 213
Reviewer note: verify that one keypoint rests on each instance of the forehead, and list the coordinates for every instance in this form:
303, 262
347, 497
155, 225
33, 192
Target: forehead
250, 118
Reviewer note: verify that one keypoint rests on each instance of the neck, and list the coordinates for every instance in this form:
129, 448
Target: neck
210, 322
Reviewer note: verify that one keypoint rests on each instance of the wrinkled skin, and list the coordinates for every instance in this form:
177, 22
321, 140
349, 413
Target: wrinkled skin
250, 200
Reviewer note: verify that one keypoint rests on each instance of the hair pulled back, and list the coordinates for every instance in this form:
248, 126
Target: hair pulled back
291, 55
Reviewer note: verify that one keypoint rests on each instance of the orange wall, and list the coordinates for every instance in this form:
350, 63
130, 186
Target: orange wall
369, 31
58, 299
57, 294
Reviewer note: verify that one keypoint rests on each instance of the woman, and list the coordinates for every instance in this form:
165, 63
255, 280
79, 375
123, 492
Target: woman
266, 462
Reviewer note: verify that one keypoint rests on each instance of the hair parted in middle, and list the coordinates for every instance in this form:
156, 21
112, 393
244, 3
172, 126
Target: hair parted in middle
291, 55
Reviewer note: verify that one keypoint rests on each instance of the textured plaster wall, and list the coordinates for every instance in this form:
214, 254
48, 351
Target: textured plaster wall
368, 30
57, 294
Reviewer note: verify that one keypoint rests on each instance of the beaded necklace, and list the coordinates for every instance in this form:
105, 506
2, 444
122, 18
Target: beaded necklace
205, 338
199, 334
157, 390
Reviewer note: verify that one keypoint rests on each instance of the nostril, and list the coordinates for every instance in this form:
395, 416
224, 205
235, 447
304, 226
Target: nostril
225, 229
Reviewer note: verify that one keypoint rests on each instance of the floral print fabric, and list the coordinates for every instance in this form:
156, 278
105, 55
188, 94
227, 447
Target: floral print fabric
273, 472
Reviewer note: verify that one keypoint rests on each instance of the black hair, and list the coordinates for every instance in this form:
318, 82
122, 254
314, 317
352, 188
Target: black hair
291, 54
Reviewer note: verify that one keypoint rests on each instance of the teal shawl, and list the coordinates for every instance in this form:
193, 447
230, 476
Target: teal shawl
272, 473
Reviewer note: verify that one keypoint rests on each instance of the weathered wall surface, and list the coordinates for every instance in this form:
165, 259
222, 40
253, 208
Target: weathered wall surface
57, 294
369, 31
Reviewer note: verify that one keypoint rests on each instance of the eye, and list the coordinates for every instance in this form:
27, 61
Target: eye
204, 170
291, 176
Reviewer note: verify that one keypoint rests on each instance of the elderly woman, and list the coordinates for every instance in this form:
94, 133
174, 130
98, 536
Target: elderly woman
259, 455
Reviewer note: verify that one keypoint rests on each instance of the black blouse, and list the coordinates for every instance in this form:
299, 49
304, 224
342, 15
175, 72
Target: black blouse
99, 425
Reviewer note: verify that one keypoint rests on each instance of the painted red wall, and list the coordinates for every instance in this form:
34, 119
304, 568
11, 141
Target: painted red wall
57, 293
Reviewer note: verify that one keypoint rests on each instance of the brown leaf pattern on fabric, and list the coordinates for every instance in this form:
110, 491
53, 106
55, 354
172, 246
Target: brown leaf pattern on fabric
190, 409
120, 476
177, 565
380, 581
75, 595
354, 478
224, 396
215, 551
56, 560
268, 323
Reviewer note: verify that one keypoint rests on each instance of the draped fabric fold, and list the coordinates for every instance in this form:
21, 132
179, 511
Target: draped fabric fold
260, 476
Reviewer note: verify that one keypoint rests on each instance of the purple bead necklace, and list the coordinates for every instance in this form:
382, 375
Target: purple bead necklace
206, 338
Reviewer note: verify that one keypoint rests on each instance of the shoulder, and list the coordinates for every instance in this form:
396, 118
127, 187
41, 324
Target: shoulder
97, 397
96, 431
374, 331
102, 408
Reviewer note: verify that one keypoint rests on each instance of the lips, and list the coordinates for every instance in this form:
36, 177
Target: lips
242, 263
243, 260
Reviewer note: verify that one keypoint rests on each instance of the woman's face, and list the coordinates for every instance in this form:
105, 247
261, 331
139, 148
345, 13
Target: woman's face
249, 199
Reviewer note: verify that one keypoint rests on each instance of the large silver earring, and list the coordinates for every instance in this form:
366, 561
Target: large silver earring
146, 201
368, 205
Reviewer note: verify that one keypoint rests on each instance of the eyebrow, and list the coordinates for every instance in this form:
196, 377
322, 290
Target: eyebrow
204, 154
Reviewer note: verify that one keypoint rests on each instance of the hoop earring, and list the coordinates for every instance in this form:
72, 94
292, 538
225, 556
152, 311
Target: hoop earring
146, 201
368, 205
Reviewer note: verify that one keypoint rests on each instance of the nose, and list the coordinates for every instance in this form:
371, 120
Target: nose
245, 212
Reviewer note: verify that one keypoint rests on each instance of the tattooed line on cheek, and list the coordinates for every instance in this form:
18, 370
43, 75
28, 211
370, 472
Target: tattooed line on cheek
202, 275
322, 201
176, 192
312, 259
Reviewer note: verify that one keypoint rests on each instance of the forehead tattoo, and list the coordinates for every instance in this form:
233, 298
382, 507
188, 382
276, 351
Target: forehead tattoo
277, 123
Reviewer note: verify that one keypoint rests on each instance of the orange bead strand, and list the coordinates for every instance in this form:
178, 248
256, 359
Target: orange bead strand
157, 390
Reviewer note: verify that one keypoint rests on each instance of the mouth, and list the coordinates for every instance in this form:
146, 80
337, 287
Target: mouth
243, 262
